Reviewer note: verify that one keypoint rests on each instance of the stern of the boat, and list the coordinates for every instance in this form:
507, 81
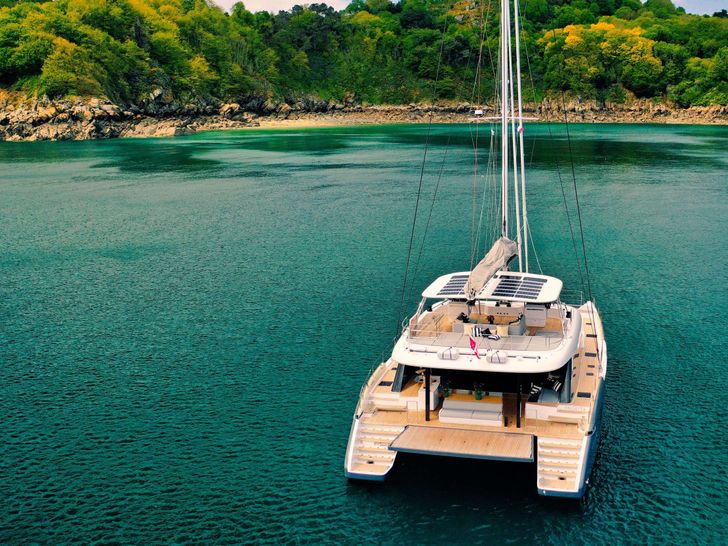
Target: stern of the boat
368, 456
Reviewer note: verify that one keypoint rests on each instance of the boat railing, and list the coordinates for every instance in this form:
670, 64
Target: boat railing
434, 325
573, 297
404, 324
365, 405
541, 341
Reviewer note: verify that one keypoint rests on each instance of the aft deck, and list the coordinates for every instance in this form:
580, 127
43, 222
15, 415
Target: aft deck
535, 427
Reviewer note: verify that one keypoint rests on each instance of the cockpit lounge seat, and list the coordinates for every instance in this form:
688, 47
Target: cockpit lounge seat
471, 412
466, 417
456, 413
471, 405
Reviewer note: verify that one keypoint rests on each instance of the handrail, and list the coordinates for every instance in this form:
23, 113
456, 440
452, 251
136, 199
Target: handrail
374, 377
573, 295
511, 342
417, 329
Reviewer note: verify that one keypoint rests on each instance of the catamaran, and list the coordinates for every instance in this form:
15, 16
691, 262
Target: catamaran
493, 364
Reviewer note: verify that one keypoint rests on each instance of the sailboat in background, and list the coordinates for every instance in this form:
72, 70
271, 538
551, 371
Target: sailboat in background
493, 364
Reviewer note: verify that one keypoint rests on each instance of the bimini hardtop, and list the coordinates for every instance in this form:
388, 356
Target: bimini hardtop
504, 286
490, 281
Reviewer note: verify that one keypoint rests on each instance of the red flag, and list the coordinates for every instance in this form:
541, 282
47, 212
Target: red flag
474, 346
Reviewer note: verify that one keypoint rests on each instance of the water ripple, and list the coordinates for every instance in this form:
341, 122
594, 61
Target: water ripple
185, 325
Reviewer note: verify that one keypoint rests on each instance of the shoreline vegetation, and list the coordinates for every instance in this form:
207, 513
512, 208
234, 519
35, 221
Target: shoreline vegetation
93, 118
86, 69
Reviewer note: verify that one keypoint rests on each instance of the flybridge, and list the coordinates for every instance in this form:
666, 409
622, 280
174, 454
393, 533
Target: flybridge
503, 286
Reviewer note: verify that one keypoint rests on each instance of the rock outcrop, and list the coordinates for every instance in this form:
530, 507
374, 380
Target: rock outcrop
94, 118
161, 115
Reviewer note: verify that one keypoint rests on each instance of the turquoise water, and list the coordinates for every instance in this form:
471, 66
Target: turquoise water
185, 325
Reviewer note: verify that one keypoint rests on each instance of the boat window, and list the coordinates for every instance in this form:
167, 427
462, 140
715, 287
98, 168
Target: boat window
402, 377
552, 386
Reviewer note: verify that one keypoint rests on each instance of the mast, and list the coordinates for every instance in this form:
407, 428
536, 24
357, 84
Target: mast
520, 137
513, 141
510, 99
504, 54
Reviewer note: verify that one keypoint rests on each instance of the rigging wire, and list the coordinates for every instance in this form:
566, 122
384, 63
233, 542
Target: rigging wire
478, 236
578, 211
496, 197
484, 17
476, 98
576, 197
581, 226
561, 181
429, 217
493, 68
484, 39
568, 215
535, 252
475, 91
474, 190
400, 317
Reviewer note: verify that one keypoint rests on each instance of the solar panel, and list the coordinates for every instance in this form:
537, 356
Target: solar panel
455, 286
519, 287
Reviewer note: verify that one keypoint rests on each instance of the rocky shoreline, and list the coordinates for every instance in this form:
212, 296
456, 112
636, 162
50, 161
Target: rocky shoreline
162, 116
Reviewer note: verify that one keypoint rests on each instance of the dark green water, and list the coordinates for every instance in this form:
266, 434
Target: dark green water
185, 325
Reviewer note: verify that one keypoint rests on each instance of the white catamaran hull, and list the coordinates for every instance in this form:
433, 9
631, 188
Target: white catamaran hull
561, 439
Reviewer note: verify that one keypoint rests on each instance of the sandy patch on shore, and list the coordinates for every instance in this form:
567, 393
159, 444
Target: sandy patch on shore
708, 116
364, 118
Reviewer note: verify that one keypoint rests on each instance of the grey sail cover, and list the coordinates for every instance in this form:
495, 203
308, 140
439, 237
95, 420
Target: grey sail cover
502, 252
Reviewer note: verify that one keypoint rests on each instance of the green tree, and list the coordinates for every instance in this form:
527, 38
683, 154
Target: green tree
536, 10
674, 58
660, 8
69, 71
378, 50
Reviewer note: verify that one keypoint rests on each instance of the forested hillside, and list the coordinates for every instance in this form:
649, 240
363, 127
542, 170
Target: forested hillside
375, 50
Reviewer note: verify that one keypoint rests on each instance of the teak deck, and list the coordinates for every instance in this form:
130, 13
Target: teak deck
529, 426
